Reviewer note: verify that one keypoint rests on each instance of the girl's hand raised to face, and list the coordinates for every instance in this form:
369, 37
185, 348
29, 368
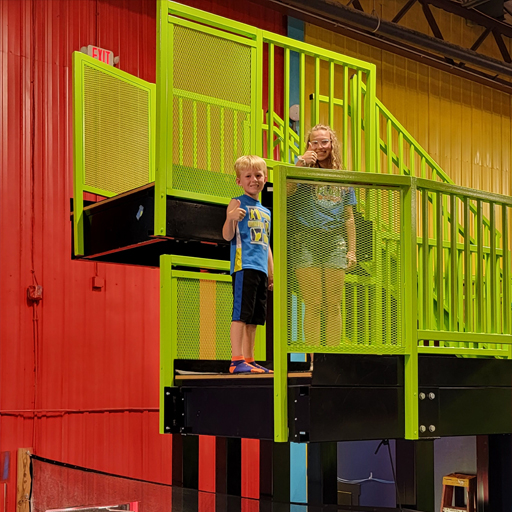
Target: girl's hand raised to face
310, 156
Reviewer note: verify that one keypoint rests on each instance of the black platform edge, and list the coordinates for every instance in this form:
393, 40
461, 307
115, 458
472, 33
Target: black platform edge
452, 371
121, 229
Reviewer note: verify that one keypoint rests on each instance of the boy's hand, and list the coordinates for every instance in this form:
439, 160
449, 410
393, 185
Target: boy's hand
236, 213
270, 282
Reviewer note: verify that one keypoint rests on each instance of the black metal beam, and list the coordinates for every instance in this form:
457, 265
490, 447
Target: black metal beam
339, 14
403, 11
473, 15
502, 46
432, 23
481, 39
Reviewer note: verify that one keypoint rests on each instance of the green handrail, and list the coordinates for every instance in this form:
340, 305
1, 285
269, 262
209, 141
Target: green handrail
431, 319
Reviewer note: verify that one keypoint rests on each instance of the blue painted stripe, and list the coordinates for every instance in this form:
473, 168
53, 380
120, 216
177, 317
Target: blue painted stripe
298, 473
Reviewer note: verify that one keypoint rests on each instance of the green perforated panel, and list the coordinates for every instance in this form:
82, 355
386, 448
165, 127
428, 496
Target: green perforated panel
332, 308
116, 121
211, 112
203, 319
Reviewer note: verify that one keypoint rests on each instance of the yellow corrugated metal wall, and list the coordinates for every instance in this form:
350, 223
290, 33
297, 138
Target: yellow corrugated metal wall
465, 126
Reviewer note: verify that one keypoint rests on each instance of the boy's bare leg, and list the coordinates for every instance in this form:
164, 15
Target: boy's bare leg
249, 340
238, 341
237, 336
248, 345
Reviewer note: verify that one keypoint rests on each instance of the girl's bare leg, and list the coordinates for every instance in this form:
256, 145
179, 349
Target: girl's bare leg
310, 285
333, 286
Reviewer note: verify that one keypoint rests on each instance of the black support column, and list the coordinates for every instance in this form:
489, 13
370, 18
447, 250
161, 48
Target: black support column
322, 473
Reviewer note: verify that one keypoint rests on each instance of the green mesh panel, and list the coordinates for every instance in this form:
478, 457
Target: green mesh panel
116, 132
203, 319
330, 310
211, 113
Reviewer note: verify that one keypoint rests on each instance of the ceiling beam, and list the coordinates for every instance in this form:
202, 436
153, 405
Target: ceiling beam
340, 14
402, 49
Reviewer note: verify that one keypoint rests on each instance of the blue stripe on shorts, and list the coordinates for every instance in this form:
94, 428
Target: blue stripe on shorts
237, 295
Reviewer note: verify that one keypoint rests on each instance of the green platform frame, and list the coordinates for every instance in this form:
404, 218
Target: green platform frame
454, 241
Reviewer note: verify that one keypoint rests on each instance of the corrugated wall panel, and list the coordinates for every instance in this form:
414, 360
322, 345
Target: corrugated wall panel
95, 379
465, 126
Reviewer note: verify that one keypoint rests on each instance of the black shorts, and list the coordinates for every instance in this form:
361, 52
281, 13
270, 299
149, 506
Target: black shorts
250, 296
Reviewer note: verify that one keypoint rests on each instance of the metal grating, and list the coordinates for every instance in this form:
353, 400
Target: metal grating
203, 318
211, 112
330, 310
116, 132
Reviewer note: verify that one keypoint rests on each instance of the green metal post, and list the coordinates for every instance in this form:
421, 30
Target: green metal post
315, 111
302, 106
370, 122
167, 354
331, 93
345, 116
280, 308
270, 114
78, 177
257, 102
506, 271
439, 261
164, 79
389, 142
453, 264
479, 267
468, 323
286, 127
354, 114
493, 240
410, 313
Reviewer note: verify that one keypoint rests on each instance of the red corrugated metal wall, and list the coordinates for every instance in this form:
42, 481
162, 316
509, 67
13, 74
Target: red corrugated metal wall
85, 361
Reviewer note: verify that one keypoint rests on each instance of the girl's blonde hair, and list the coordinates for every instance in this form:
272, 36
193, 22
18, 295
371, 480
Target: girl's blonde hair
336, 161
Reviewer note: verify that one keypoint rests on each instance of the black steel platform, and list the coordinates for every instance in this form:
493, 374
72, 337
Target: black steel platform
121, 229
350, 397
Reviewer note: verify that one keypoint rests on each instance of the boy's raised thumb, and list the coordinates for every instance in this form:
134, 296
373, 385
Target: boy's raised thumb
237, 203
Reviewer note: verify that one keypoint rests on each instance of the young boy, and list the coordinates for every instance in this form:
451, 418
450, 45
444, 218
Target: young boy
247, 227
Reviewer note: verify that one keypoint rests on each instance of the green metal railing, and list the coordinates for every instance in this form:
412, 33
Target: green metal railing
451, 283
336, 95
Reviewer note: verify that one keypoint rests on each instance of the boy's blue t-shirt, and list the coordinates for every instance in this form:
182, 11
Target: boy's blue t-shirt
322, 206
249, 246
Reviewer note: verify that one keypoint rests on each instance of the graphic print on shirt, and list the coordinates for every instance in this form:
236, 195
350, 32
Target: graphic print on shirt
249, 248
258, 224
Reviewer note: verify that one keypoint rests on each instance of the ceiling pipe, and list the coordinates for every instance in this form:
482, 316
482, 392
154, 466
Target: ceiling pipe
339, 14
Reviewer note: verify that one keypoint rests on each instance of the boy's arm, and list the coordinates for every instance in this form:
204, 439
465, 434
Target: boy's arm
270, 270
233, 214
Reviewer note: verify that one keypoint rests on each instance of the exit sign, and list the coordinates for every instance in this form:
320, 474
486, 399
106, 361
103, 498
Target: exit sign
96, 52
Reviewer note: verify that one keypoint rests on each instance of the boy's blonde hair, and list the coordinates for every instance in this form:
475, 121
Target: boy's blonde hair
336, 161
249, 162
